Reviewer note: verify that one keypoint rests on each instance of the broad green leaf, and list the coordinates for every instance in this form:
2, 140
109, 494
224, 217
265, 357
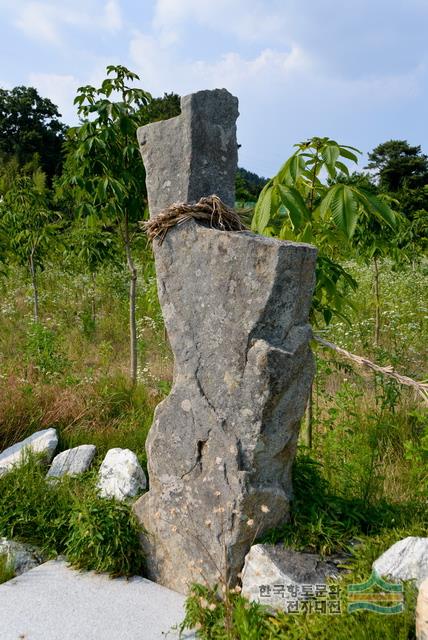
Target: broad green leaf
295, 205
345, 153
307, 235
347, 146
342, 167
330, 154
343, 206
377, 207
291, 170
262, 212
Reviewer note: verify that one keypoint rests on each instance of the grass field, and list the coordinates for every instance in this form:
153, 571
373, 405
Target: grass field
366, 476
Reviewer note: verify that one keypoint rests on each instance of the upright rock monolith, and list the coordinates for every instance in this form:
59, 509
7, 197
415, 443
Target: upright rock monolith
236, 306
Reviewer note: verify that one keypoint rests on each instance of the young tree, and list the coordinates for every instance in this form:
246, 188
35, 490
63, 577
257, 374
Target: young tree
93, 246
105, 166
31, 227
298, 204
374, 241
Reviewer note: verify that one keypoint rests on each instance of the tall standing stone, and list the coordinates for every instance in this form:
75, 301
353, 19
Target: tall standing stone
236, 306
194, 154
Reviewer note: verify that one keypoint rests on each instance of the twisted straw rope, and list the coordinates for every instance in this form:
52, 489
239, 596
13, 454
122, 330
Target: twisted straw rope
420, 387
210, 209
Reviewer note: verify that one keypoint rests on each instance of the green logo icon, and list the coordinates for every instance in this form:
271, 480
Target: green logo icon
376, 595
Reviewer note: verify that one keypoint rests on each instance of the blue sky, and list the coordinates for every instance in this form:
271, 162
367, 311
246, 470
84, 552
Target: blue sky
355, 70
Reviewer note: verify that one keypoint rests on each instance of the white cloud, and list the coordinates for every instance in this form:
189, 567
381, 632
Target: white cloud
255, 22
38, 21
161, 69
113, 16
283, 72
286, 94
61, 89
354, 71
45, 21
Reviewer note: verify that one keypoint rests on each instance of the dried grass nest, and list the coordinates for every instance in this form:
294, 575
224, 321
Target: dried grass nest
210, 209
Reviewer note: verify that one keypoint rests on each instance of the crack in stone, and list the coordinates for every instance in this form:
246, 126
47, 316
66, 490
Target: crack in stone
200, 449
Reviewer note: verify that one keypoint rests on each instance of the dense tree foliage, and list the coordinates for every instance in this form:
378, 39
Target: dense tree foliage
400, 172
248, 185
398, 166
168, 106
29, 125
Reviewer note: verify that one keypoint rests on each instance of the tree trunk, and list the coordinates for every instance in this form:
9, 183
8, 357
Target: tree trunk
35, 289
93, 305
132, 300
377, 301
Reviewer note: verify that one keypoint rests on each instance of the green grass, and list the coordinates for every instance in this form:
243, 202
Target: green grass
67, 517
66, 374
324, 522
366, 477
237, 619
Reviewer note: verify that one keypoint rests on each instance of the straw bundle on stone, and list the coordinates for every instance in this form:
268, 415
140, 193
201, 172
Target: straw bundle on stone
210, 210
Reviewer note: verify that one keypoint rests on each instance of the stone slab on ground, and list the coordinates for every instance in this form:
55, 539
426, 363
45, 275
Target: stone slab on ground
44, 442
54, 602
72, 461
407, 559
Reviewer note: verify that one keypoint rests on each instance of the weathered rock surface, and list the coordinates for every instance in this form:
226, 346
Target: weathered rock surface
44, 442
21, 557
422, 612
273, 575
121, 475
236, 308
194, 154
72, 461
407, 559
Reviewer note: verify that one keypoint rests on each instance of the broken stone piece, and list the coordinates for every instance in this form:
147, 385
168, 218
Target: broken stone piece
223, 443
44, 442
273, 573
120, 475
407, 559
236, 306
194, 154
72, 461
21, 557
